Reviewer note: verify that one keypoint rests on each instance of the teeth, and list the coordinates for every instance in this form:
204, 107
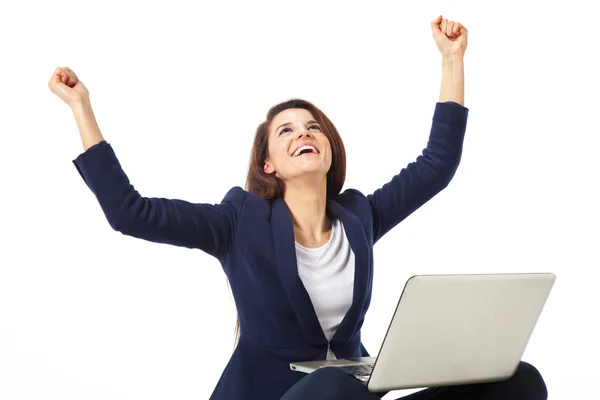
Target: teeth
303, 148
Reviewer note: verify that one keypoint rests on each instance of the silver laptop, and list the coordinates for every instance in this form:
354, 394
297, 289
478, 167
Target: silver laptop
452, 330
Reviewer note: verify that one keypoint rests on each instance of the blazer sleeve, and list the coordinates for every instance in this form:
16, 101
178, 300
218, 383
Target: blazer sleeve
428, 175
208, 227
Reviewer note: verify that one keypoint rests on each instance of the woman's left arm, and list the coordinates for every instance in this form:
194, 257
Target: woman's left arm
433, 170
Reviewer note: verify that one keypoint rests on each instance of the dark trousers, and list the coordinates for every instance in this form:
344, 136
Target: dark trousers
332, 383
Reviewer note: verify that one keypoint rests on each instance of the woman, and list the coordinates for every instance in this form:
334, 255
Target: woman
297, 252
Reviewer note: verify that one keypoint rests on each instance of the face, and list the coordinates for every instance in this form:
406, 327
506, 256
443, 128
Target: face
297, 146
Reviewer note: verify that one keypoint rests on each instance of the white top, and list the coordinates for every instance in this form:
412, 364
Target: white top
327, 273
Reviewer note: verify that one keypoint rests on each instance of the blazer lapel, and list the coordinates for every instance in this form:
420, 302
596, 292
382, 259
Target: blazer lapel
285, 257
363, 275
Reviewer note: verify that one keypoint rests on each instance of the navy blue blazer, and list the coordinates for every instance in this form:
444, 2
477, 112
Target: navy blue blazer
253, 239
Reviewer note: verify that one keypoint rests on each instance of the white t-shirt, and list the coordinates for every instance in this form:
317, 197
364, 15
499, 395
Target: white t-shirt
327, 273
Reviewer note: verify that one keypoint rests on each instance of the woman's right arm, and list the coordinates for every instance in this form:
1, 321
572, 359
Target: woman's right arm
177, 222
208, 227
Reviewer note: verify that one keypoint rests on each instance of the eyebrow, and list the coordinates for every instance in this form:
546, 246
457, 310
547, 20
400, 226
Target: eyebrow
312, 121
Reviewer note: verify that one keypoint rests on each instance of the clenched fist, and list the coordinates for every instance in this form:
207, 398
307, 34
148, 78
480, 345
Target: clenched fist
65, 84
450, 36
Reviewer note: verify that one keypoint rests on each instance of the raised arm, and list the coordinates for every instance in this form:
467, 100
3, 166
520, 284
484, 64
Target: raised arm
435, 167
424, 178
209, 227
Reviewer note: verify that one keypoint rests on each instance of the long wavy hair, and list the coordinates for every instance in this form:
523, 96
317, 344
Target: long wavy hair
269, 186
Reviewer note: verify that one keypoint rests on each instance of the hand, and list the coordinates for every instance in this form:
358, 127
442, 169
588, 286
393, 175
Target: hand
65, 84
450, 37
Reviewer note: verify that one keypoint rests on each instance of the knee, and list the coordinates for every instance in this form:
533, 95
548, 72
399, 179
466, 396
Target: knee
530, 380
334, 379
327, 383
329, 374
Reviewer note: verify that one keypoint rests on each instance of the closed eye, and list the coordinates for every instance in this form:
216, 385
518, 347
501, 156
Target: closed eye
288, 129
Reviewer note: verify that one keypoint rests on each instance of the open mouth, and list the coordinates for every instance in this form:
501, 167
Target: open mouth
306, 149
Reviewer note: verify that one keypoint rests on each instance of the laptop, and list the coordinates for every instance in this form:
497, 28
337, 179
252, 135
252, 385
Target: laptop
452, 330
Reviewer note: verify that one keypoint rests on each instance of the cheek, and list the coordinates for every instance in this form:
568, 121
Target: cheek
329, 152
278, 152
283, 146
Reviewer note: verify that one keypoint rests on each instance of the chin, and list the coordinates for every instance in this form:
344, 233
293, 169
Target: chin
312, 168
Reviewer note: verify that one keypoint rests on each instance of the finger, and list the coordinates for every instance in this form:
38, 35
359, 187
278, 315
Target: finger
436, 22
443, 25
67, 76
449, 27
461, 29
456, 29
56, 85
435, 26
62, 75
56, 82
72, 79
54, 78
72, 73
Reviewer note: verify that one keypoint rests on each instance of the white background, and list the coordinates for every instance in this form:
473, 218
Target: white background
178, 90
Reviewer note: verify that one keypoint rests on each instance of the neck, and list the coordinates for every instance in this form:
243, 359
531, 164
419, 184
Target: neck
308, 206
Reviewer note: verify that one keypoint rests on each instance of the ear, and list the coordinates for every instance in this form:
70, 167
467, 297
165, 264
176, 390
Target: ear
268, 168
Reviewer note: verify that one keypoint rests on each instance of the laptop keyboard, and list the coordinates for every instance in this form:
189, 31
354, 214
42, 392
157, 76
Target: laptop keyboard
360, 369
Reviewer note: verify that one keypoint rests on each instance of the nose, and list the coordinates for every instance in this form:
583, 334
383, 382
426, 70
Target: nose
304, 132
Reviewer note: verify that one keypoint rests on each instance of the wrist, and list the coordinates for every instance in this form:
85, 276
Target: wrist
452, 59
81, 108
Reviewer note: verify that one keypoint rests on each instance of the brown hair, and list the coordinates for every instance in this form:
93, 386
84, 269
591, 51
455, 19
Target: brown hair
269, 186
